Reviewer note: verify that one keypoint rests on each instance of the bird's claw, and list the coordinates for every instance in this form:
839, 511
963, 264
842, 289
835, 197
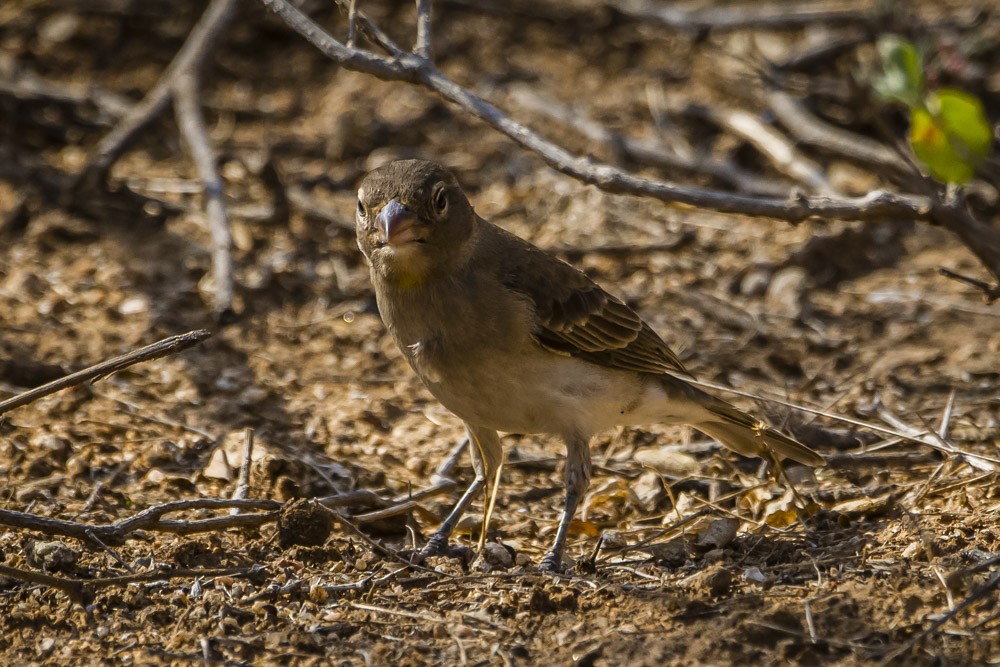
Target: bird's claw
552, 563
436, 546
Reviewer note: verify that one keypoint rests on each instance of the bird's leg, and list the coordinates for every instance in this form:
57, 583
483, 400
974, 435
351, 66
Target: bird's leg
780, 475
578, 468
436, 545
493, 485
487, 456
491, 451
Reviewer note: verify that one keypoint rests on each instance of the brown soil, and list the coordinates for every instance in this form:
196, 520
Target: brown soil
895, 532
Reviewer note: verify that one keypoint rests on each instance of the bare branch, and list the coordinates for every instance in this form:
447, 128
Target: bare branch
243, 481
424, 48
152, 518
191, 56
809, 129
413, 69
81, 590
730, 16
31, 88
981, 238
165, 347
148, 519
352, 24
192, 128
771, 143
990, 292
769, 16
648, 151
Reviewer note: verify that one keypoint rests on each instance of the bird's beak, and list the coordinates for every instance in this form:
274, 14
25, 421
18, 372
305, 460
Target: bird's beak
396, 224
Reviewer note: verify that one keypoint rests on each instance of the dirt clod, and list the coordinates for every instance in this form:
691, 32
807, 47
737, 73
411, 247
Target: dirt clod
304, 522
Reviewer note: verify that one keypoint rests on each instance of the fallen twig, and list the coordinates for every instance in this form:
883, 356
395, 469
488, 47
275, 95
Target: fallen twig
243, 481
82, 590
165, 347
980, 592
200, 43
990, 292
771, 143
648, 150
809, 129
152, 518
192, 128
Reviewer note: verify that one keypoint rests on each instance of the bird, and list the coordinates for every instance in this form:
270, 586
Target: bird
512, 339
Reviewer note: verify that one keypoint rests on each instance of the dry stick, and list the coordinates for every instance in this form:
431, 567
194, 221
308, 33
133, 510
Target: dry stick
979, 237
932, 438
809, 129
243, 481
200, 43
648, 151
771, 16
77, 589
413, 69
352, 25
31, 88
975, 596
445, 468
990, 292
165, 347
734, 16
151, 518
192, 127
910, 434
424, 47
771, 143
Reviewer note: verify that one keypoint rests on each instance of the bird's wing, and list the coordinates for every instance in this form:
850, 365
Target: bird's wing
576, 317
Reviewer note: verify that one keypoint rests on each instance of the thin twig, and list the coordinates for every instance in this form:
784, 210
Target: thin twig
151, 518
413, 69
80, 590
243, 481
981, 238
976, 595
31, 88
352, 24
811, 130
424, 47
771, 143
908, 434
447, 466
769, 16
165, 347
990, 292
648, 150
200, 43
192, 128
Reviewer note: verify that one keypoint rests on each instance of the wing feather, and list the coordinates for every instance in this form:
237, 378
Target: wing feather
576, 317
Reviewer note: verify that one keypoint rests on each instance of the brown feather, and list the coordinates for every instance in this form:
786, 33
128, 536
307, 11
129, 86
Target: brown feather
577, 317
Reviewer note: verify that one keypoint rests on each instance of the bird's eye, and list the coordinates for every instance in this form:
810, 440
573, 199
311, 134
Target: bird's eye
361, 208
441, 200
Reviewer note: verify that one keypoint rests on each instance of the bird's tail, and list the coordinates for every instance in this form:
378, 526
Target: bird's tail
748, 436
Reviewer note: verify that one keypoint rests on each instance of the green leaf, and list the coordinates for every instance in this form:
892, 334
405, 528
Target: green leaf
902, 75
951, 135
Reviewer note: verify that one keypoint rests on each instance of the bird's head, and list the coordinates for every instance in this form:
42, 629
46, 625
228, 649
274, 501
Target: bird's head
413, 221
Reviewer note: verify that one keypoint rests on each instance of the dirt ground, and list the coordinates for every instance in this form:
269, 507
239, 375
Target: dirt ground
849, 318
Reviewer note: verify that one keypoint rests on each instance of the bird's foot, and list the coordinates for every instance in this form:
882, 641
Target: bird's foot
438, 546
552, 563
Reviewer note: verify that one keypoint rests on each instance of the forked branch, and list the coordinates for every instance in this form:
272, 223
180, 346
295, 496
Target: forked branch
983, 239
